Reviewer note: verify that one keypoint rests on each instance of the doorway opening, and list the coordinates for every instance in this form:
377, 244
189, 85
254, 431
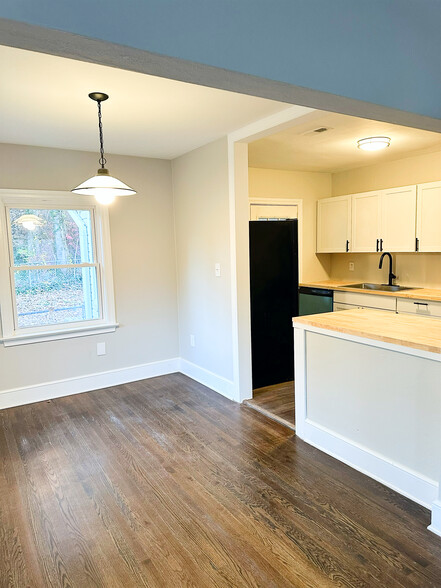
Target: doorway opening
274, 271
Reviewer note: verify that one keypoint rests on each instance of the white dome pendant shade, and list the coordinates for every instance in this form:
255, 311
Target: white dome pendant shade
103, 186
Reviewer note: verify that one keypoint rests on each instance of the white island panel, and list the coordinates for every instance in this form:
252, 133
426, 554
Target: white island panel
368, 392
385, 401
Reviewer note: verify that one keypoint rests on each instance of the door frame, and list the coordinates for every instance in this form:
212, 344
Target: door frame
287, 202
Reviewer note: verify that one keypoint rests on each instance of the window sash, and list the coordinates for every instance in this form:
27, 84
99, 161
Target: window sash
52, 326
100, 237
34, 205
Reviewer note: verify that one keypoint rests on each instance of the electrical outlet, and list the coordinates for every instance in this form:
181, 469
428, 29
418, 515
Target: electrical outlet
192, 341
101, 349
217, 270
351, 266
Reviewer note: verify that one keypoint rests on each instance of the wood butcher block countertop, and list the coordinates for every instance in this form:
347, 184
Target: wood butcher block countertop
400, 329
342, 285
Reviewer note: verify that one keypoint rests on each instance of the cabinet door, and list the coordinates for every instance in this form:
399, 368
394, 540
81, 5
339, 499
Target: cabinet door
333, 224
398, 218
365, 222
429, 216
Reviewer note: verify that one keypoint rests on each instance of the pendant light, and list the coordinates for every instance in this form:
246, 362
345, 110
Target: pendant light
103, 186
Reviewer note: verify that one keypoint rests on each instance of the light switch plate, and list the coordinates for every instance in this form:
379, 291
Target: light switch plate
351, 266
217, 270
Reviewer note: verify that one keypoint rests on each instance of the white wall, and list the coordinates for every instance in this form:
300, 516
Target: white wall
306, 186
201, 200
144, 267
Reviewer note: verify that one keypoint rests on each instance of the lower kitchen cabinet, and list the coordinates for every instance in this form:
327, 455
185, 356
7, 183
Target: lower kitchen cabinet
347, 300
422, 307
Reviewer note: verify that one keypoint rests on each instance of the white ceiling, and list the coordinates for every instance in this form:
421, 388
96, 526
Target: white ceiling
44, 101
299, 149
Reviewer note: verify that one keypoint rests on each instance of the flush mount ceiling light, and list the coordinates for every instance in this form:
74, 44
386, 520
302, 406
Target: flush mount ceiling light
103, 186
29, 221
373, 143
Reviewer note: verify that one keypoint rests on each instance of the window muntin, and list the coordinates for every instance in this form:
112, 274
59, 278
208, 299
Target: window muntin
53, 269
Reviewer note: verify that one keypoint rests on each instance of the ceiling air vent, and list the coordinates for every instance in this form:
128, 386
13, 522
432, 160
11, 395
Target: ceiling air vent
317, 131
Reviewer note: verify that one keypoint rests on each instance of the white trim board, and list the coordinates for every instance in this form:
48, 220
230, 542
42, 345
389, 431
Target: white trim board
239, 257
211, 380
435, 526
411, 484
77, 385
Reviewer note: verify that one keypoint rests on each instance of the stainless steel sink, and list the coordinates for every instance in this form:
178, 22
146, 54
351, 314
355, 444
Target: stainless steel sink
380, 287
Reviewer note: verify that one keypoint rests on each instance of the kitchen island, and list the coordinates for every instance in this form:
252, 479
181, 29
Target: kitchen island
368, 392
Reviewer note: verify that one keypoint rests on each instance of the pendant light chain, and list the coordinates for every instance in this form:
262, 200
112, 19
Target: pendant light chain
102, 159
103, 186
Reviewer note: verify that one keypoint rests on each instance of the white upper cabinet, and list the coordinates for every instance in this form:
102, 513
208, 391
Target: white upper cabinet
334, 224
398, 219
429, 216
365, 222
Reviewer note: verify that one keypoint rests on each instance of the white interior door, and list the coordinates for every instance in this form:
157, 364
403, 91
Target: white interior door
273, 211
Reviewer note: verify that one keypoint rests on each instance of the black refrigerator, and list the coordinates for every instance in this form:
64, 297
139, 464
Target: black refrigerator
274, 299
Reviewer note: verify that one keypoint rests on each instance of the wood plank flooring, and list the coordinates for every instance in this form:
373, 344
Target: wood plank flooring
275, 401
164, 483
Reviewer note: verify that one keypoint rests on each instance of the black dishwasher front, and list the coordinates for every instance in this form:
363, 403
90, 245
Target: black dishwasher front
314, 300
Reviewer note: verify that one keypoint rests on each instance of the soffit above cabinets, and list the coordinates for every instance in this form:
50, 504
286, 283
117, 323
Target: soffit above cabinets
305, 146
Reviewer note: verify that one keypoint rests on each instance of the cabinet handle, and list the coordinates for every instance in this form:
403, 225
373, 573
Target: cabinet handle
381, 244
422, 303
347, 245
417, 244
378, 244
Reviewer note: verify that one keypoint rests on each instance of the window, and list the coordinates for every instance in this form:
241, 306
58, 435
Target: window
55, 267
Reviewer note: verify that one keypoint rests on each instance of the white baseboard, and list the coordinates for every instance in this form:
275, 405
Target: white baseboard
435, 525
211, 380
407, 482
49, 390
67, 387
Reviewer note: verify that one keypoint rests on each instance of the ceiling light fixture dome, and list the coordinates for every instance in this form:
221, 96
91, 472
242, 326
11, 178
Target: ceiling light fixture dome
30, 221
373, 143
103, 186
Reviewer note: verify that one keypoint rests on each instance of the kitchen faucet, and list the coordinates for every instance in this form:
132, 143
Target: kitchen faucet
392, 276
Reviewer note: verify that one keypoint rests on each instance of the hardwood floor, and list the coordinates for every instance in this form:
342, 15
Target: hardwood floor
275, 401
165, 483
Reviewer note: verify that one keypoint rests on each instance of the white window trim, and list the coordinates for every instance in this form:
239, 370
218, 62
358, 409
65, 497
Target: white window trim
50, 199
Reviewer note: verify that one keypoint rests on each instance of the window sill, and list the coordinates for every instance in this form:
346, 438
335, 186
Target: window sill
26, 339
